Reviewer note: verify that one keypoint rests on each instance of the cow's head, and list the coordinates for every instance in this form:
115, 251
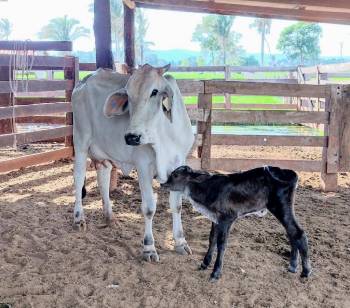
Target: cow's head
147, 97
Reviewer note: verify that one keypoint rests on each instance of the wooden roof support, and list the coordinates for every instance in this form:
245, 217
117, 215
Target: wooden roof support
249, 10
129, 36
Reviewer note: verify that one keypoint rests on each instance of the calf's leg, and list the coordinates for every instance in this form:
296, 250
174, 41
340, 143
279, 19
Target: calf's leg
212, 243
283, 211
223, 229
103, 180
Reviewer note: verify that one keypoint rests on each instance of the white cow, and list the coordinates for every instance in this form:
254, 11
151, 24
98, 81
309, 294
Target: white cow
134, 121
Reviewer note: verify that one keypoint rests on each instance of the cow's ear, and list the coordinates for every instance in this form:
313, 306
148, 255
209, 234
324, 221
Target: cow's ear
116, 104
163, 70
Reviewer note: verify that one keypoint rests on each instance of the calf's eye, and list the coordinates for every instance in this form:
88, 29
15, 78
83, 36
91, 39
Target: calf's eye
154, 92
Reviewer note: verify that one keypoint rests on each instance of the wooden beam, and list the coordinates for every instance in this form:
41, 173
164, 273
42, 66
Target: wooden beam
35, 136
190, 86
42, 62
265, 88
39, 86
35, 159
247, 10
237, 164
37, 45
268, 140
269, 117
102, 31
35, 109
129, 36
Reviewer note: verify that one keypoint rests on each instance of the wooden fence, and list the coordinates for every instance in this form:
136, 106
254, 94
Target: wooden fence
31, 107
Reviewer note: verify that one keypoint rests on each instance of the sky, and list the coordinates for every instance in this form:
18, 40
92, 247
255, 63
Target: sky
167, 29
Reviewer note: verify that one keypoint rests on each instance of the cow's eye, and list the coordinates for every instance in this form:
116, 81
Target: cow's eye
154, 92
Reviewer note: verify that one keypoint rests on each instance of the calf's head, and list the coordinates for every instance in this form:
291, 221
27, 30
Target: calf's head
148, 98
182, 176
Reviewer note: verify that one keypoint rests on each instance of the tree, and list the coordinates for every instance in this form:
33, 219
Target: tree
5, 29
63, 29
142, 45
216, 37
300, 42
117, 26
263, 27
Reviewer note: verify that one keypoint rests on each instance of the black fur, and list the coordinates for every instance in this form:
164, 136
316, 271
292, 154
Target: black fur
83, 190
228, 197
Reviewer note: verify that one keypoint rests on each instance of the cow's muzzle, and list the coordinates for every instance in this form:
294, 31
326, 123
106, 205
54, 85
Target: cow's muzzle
132, 139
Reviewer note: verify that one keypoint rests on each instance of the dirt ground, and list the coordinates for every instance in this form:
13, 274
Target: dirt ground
44, 263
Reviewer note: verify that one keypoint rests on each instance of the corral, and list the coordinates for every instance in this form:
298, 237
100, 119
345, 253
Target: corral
45, 264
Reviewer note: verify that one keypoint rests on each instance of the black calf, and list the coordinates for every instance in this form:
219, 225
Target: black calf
224, 198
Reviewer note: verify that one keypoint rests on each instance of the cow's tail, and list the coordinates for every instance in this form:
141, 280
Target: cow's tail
285, 177
83, 190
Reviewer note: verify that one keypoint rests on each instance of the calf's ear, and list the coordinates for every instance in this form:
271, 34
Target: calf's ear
116, 104
167, 102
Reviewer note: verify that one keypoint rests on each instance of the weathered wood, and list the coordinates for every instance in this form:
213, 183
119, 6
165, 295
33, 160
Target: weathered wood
6, 126
35, 159
35, 109
334, 130
39, 85
194, 163
236, 164
265, 88
327, 68
42, 62
254, 10
38, 100
204, 128
227, 95
102, 31
38, 45
269, 116
129, 36
87, 67
47, 119
344, 130
236, 106
35, 136
268, 140
190, 86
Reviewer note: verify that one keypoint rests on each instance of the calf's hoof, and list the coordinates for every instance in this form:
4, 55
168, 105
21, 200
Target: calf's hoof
292, 269
150, 256
214, 276
79, 225
202, 267
183, 249
306, 273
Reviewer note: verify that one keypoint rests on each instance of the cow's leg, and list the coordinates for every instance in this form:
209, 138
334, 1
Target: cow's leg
79, 178
223, 229
212, 243
103, 180
181, 246
148, 209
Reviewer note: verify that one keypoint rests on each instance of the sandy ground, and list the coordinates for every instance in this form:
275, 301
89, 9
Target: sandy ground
44, 263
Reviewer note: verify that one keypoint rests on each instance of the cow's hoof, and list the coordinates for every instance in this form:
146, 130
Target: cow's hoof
214, 276
305, 273
183, 249
150, 256
79, 225
202, 267
292, 269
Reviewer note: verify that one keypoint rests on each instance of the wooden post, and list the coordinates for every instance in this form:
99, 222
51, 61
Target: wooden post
102, 30
6, 126
330, 154
204, 128
227, 95
344, 157
70, 73
129, 36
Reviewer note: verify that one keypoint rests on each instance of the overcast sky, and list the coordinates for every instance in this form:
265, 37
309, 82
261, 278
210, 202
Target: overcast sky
168, 29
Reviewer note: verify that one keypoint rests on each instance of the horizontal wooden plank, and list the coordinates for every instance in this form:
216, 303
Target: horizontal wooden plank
35, 159
250, 106
43, 62
198, 114
193, 162
327, 68
197, 69
190, 86
270, 80
35, 136
268, 140
37, 45
39, 85
47, 119
87, 67
265, 88
237, 164
35, 109
256, 69
267, 116
38, 100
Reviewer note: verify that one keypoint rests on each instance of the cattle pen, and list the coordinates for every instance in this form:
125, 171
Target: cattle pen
45, 263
